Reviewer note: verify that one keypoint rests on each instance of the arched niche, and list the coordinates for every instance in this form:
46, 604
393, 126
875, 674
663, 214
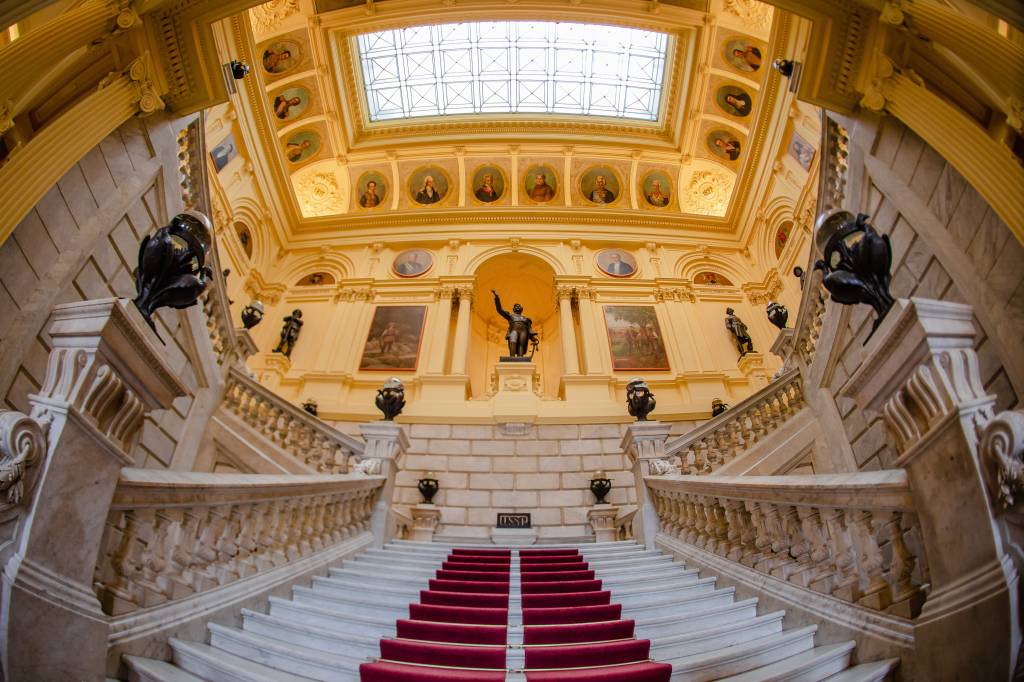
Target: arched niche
315, 279
712, 278
518, 278
245, 238
781, 238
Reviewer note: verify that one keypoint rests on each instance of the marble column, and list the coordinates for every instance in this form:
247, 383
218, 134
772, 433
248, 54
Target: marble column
460, 351
569, 354
439, 333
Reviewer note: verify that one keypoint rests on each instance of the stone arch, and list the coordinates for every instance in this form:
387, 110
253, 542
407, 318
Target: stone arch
691, 264
474, 264
337, 266
777, 212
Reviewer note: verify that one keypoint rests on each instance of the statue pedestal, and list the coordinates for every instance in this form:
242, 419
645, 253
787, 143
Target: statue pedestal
515, 399
425, 520
275, 367
601, 518
751, 366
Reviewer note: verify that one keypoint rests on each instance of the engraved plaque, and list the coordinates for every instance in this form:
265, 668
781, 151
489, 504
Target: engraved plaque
514, 521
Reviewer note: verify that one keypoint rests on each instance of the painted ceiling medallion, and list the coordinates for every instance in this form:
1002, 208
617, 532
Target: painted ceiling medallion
708, 193
268, 16
319, 195
756, 15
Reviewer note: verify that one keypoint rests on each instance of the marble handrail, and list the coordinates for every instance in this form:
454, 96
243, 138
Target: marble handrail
291, 428
726, 436
172, 534
853, 536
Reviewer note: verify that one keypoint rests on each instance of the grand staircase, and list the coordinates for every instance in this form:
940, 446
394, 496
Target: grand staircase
423, 612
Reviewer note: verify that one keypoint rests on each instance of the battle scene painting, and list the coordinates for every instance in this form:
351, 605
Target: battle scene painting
635, 339
394, 339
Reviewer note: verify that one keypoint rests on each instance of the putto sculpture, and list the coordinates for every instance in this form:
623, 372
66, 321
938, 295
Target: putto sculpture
744, 343
856, 261
252, 314
172, 271
639, 400
520, 332
289, 333
778, 314
391, 398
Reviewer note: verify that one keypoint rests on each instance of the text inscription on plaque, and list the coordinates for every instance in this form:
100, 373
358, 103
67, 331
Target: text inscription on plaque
514, 521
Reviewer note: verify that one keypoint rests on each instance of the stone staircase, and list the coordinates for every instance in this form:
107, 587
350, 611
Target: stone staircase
325, 631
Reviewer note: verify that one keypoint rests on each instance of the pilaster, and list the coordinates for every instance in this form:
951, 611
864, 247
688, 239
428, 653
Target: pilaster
644, 442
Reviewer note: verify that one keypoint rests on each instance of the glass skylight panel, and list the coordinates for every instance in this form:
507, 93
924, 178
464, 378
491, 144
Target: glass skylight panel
513, 67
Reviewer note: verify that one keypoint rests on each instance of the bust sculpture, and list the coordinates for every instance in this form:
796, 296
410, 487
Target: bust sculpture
739, 330
290, 333
520, 331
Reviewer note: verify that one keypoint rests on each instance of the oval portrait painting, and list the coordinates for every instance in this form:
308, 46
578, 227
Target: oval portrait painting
372, 189
540, 183
488, 184
301, 146
734, 100
428, 185
280, 57
290, 103
616, 262
412, 263
743, 54
656, 188
724, 144
600, 185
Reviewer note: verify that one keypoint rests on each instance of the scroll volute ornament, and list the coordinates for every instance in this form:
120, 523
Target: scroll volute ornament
1001, 451
172, 269
22, 445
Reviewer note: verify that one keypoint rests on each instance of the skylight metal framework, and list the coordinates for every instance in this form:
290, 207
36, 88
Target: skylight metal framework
513, 67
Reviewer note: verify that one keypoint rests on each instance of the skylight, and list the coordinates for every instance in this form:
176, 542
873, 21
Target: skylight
513, 67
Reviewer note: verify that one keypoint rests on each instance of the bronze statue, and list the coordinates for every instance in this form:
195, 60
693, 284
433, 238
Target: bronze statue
391, 399
290, 333
520, 331
640, 401
744, 343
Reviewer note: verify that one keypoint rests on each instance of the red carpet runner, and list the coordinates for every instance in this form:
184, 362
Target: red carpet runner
571, 630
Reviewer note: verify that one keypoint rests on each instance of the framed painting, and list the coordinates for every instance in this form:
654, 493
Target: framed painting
616, 262
540, 182
488, 184
224, 153
372, 188
290, 103
412, 263
394, 339
656, 188
428, 185
600, 185
302, 146
801, 150
634, 338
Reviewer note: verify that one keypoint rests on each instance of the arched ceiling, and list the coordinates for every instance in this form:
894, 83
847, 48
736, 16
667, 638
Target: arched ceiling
306, 108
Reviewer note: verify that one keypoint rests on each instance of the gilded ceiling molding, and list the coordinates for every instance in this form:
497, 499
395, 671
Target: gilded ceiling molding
708, 192
268, 16
319, 195
756, 15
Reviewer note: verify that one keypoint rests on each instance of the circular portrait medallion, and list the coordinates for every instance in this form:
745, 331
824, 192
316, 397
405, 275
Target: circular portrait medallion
281, 57
302, 146
540, 182
488, 184
428, 185
616, 262
290, 103
724, 144
656, 188
600, 185
734, 100
742, 54
412, 263
372, 189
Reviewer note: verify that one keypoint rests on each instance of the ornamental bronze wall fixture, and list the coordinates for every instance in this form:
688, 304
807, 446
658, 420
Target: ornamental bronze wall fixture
856, 263
639, 400
391, 398
172, 271
520, 332
289, 333
600, 485
744, 343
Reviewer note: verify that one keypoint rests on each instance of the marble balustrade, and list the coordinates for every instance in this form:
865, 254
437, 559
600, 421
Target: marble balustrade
852, 536
726, 436
170, 535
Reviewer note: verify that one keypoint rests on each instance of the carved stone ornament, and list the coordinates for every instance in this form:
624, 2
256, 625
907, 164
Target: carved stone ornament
754, 14
661, 467
22, 445
172, 269
707, 193
268, 16
368, 467
1001, 451
319, 195
391, 398
639, 400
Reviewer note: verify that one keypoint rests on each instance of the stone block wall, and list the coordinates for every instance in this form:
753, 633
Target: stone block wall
947, 244
81, 242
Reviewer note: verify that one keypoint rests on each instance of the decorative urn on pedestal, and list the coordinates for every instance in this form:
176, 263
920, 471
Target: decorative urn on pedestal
391, 398
252, 314
428, 487
600, 485
639, 400
778, 314
718, 407
311, 406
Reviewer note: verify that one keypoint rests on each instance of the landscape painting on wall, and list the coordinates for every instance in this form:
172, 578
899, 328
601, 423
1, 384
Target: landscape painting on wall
635, 338
394, 339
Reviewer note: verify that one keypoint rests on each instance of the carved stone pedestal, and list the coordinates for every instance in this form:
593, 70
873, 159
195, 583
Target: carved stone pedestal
515, 399
920, 374
644, 442
752, 367
425, 520
387, 443
275, 367
601, 518
105, 372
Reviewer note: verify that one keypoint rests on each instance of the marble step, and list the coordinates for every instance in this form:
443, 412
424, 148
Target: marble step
744, 657
690, 575
698, 619
639, 574
397, 573
729, 634
331, 618
665, 597
360, 646
214, 665
627, 562
379, 586
394, 559
374, 598
369, 607
298, 660
876, 671
151, 670
815, 665
696, 602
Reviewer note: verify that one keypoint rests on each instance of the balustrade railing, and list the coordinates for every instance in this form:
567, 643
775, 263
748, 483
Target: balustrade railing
852, 536
726, 436
809, 322
173, 534
303, 436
